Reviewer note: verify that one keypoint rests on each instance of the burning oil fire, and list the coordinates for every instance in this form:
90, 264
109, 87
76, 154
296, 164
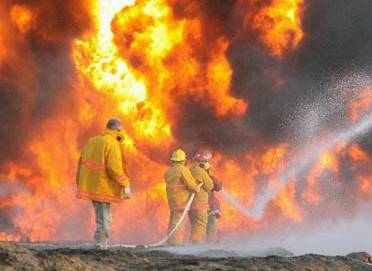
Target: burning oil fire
167, 69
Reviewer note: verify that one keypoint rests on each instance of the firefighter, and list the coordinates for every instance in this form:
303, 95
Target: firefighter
179, 184
214, 211
199, 209
101, 178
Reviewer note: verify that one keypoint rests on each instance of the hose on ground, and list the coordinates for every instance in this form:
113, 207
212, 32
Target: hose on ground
170, 233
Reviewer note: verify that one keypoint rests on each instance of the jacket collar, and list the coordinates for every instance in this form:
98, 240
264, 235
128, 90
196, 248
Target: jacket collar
112, 133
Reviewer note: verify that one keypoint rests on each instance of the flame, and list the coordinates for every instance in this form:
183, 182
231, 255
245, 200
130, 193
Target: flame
366, 184
45, 193
279, 25
361, 162
272, 160
9, 237
219, 82
286, 201
327, 161
362, 104
153, 40
22, 17
97, 57
357, 154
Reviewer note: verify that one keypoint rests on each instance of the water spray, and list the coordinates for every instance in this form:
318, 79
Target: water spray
296, 167
235, 203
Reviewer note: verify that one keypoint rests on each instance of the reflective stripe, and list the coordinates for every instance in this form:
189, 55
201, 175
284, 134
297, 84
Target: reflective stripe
120, 179
94, 198
98, 197
95, 194
199, 206
177, 186
88, 194
93, 165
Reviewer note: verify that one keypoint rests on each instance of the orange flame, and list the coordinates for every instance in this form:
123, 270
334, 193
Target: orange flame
22, 17
286, 201
362, 104
279, 25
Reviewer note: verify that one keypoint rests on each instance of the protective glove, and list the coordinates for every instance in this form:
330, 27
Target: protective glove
127, 192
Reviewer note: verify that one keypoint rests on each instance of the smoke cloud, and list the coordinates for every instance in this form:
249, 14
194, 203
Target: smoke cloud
36, 72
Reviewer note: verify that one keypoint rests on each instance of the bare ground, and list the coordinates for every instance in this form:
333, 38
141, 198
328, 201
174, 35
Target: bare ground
16, 257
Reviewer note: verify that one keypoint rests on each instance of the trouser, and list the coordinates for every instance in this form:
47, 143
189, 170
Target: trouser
103, 223
212, 229
177, 238
198, 220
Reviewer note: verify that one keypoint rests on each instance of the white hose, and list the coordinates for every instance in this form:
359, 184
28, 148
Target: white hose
170, 233
226, 195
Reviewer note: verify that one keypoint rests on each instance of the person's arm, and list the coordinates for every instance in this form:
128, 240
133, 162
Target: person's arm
189, 180
207, 181
127, 190
114, 164
217, 184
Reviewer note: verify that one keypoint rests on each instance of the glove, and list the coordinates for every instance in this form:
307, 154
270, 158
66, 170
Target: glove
127, 192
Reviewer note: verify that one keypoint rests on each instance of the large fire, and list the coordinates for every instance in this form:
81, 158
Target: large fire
146, 61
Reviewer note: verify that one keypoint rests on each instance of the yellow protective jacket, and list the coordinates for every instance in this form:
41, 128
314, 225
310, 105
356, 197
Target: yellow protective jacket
123, 156
100, 173
201, 198
180, 184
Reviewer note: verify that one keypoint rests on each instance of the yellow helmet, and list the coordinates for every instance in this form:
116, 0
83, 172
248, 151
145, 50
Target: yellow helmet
207, 166
178, 156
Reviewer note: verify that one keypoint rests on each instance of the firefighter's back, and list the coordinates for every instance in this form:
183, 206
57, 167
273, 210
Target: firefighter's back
177, 190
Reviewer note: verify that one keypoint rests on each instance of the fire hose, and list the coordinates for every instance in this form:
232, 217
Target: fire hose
157, 244
226, 195
170, 233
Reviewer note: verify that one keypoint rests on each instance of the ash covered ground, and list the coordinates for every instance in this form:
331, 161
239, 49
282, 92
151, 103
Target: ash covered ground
26, 257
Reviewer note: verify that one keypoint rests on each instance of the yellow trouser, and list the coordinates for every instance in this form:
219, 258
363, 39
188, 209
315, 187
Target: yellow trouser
178, 236
198, 220
212, 228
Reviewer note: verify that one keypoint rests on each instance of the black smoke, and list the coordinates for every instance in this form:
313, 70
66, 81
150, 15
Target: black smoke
337, 41
36, 72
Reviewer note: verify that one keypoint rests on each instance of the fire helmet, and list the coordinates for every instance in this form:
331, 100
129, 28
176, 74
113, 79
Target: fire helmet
178, 156
202, 156
207, 166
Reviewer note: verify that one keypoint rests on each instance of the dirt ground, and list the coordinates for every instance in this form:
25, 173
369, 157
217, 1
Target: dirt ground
16, 257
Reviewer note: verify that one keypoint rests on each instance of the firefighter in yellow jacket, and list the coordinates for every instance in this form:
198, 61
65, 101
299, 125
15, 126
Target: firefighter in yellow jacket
180, 184
199, 209
101, 178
